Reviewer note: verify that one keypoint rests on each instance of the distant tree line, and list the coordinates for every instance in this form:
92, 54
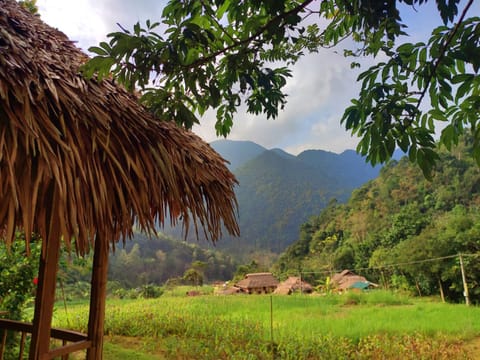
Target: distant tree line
155, 260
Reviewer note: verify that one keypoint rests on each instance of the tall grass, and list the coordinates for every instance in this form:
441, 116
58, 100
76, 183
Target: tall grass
380, 325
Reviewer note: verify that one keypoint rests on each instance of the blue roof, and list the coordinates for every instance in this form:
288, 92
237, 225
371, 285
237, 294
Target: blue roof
360, 285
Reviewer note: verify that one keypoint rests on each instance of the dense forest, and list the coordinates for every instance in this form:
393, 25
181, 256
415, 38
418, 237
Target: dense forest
278, 191
146, 260
400, 230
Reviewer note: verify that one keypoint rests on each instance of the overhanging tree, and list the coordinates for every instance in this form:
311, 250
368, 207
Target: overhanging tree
219, 54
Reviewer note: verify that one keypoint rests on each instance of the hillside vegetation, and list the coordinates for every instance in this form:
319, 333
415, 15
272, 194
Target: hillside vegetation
277, 192
400, 230
155, 260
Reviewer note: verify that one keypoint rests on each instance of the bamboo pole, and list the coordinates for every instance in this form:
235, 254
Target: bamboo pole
464, 281
45, 298
47, 280
440, 285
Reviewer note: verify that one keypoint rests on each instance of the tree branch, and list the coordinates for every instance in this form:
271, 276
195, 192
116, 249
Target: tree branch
252, 37
443, 51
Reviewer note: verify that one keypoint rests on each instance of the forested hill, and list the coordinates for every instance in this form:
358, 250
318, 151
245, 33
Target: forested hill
400, 218
146, 260
278, 191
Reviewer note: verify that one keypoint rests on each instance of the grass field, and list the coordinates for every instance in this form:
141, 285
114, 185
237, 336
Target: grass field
376, 325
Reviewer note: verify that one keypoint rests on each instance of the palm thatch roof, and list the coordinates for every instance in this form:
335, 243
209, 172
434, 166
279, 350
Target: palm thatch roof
348, 279
81, 159
337, 277
257, 280
293, 284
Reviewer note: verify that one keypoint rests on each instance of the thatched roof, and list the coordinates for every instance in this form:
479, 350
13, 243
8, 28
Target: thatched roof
337, 277
228, 291
81, 159
292, 284
347, 279
257, 280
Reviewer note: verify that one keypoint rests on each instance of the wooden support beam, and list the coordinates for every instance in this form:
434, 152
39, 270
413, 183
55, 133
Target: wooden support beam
67, 349
97, 299
45, 297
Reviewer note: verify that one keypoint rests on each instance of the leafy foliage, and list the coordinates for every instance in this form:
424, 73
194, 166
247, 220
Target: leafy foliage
220, 54
30, 5
152, 261
142, 266
202, 62
388, 111
17, 274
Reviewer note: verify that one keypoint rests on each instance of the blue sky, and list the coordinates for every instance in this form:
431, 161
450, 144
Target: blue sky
320, 89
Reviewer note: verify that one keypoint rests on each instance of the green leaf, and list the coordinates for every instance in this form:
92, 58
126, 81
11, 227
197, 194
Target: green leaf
102, 50
422, 56
438, 115
100, 66
463, 89
223, 8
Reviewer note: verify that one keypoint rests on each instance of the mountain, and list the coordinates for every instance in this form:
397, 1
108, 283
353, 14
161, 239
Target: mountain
276, 193
279, 191
350, 169
283, 154
237, 152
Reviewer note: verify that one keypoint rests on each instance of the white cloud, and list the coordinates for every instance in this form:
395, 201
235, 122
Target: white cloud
89, 21
79, 20
318, 92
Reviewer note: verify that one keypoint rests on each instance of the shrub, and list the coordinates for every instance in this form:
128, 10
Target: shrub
150, 291
18, 274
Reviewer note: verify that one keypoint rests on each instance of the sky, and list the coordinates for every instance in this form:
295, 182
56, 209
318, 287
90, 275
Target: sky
318, 92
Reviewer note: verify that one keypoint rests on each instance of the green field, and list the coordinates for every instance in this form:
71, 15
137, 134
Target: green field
376, 325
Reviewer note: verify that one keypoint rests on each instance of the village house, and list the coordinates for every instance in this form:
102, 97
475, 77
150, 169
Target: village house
293, 284
258, 283
347, 280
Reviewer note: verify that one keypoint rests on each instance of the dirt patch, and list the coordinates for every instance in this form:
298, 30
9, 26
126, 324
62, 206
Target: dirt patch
150, 346
473, 347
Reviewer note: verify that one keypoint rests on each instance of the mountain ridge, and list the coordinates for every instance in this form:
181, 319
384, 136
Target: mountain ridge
278, 191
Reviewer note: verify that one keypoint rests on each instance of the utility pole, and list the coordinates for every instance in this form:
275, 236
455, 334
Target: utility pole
301, 284
464, 280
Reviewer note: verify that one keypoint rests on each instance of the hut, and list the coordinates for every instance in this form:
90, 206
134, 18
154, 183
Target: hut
293, 284
258, 283
347, 279
231, 290
82, 162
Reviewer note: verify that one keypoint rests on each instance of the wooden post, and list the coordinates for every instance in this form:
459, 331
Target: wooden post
440, 285
271, 327
97, 299
417, 285
464, 280
45, 297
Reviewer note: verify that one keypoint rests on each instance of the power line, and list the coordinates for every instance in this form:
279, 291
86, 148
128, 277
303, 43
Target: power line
411, 262
396, 264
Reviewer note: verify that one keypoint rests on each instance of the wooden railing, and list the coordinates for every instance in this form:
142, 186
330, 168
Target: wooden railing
72, 341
